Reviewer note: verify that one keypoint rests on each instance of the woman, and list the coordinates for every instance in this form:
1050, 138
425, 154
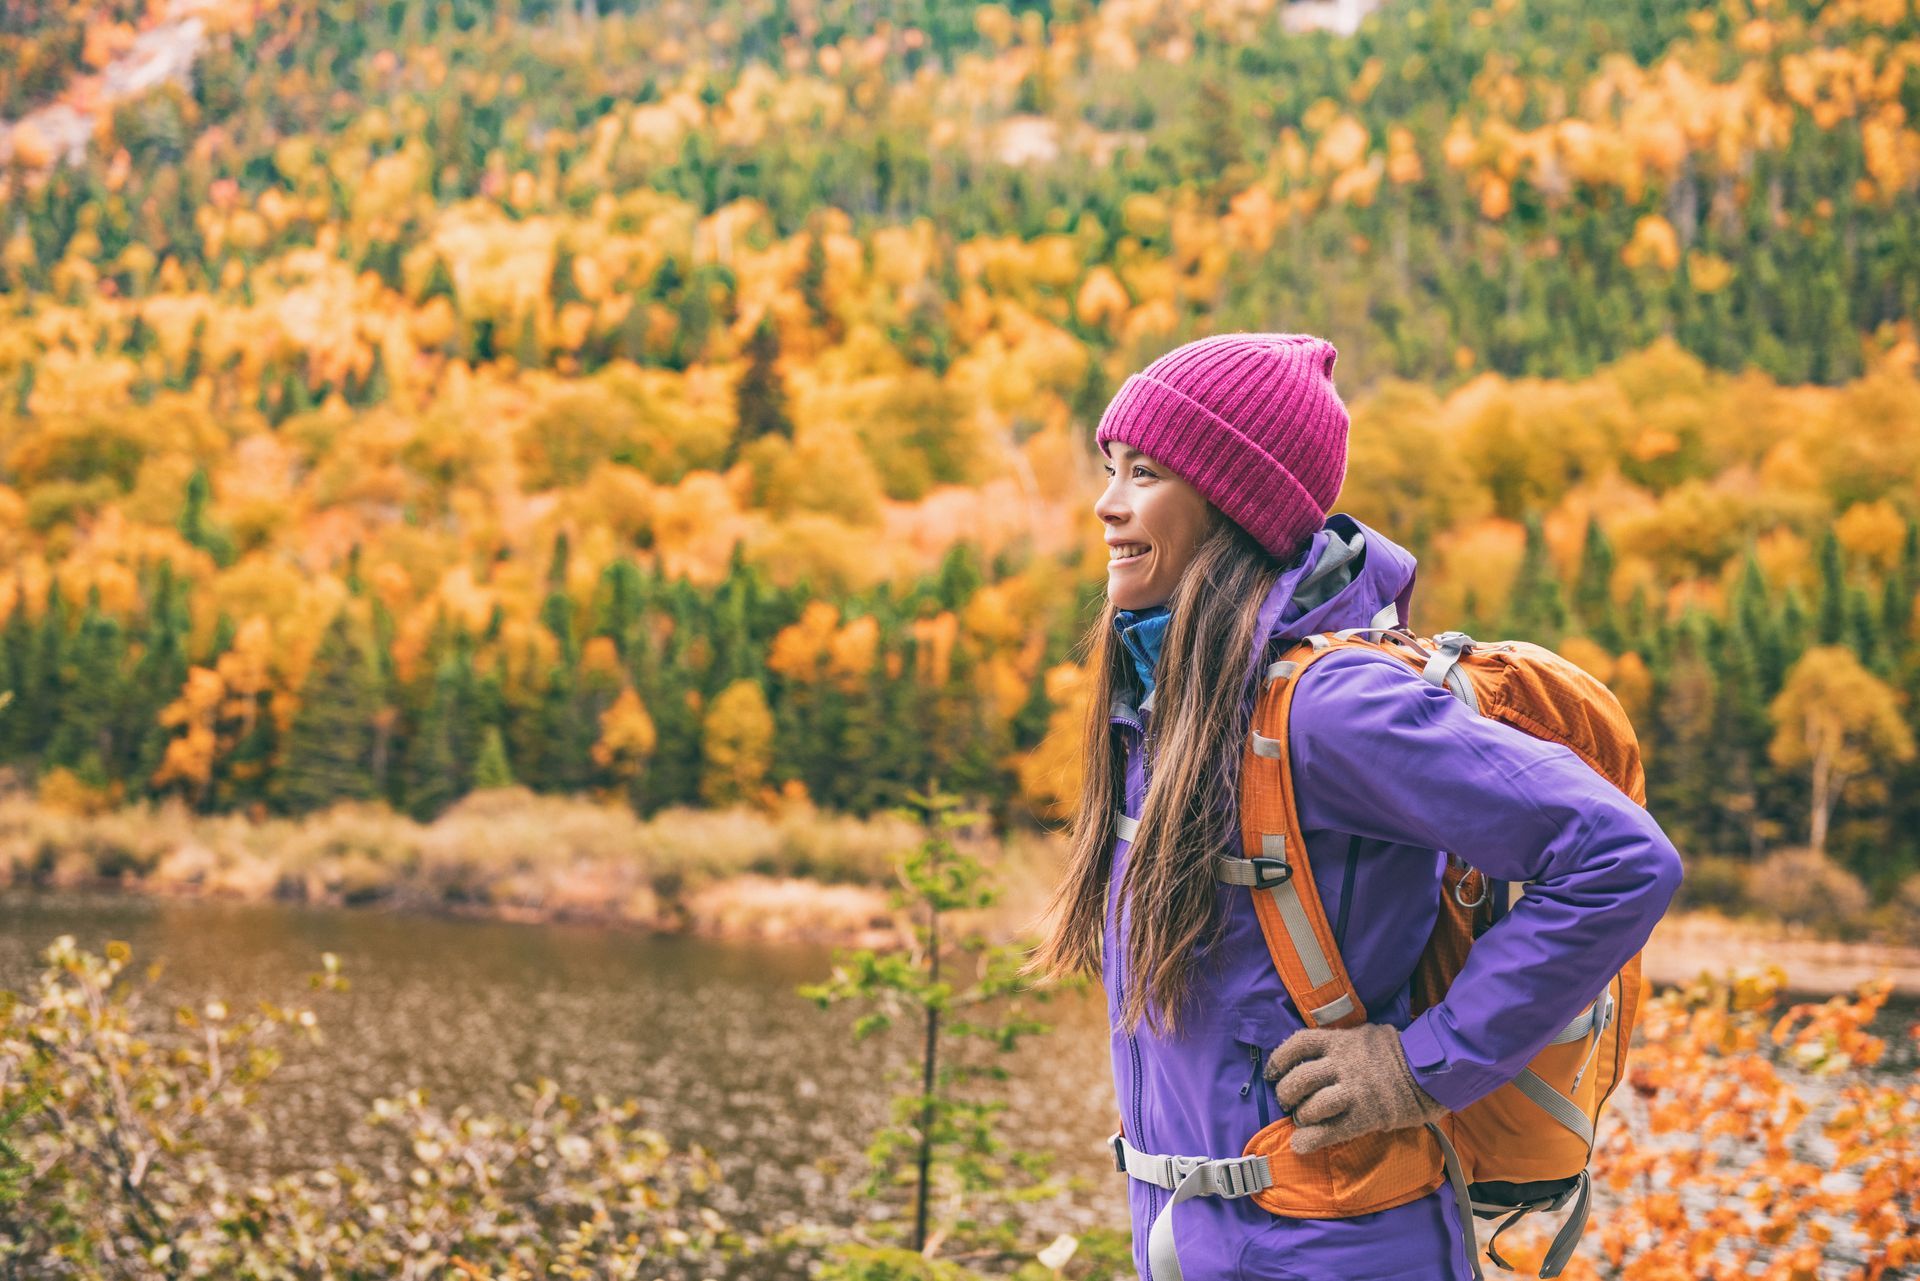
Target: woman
1223, 457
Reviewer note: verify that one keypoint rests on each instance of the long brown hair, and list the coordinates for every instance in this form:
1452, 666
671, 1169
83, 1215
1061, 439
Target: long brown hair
1202, 710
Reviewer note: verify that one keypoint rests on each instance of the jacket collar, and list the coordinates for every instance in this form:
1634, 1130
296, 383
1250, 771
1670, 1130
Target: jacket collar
1348, 575
1143, 632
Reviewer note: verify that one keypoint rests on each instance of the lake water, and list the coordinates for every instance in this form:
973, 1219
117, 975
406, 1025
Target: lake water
710, 1036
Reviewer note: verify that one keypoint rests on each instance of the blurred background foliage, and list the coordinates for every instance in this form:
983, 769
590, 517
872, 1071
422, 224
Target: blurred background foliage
691, 405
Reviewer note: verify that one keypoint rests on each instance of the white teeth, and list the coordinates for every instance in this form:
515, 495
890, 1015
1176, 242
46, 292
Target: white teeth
1120, 551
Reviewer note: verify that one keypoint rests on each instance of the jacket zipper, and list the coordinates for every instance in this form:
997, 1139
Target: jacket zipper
1133, 1043
1256, 1060
1346, 893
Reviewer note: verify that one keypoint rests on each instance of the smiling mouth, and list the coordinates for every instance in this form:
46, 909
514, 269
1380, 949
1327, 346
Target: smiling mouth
1125, 554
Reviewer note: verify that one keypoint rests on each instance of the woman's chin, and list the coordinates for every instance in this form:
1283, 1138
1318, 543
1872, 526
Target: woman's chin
1125, 595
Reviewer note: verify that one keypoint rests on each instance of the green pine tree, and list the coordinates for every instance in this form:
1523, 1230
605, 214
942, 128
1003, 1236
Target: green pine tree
730, 628
528, 351
194, 525
45, 682
1754, 625
439, 282
760, 397
673, 776
1593, 591
84, 736
1863, 632
1742, 731
556, 612
813, 281
1537, 608
244, 779
561, 286
159, 673
330, 745
619, 599
696, 320
436, 760
1683, 789
1902, 582
959, 576
1833, 591
490, 769
1795, 626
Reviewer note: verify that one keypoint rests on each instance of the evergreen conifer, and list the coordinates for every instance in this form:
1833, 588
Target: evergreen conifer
329, 749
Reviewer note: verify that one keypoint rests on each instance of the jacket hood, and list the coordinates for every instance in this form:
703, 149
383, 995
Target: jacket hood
1350, 575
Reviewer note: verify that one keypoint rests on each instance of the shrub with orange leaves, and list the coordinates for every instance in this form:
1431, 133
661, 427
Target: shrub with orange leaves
1753, 1143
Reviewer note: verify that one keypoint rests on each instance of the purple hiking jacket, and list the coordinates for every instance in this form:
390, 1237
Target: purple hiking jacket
1391, 772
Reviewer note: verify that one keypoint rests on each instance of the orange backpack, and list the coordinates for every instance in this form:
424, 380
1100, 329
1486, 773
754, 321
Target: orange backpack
1525, 1146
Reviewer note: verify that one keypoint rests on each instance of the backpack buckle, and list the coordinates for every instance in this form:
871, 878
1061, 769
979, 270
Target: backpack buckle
1118, 1142
1269, 872
1455, 641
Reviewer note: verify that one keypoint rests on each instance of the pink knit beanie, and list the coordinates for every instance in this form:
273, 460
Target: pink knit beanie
1251, 421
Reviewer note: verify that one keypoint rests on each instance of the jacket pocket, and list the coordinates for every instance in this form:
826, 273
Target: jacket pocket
1257, 1087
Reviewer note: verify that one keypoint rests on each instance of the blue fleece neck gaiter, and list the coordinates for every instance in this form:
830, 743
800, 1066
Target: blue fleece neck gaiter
1142, 631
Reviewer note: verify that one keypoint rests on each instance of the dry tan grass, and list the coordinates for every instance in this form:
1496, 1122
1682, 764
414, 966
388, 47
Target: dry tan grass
752, 906
791, 873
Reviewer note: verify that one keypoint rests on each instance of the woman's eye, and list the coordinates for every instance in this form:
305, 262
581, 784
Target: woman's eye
1141, 471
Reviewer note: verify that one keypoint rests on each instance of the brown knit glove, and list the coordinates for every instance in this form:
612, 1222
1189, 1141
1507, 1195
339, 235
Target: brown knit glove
1342, 1082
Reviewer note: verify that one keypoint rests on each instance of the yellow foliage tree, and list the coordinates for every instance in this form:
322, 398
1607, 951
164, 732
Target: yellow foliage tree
195, 713
736, 744
627, 737
799, 648
1874, 531
1050, 775
1839, 721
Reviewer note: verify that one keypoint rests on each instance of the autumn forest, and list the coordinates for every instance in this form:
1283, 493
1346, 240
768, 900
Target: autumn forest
691, 405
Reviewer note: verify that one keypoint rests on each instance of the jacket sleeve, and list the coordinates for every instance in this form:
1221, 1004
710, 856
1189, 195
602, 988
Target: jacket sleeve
1380, 752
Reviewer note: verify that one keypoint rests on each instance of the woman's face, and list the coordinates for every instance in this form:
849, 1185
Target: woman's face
1155, 522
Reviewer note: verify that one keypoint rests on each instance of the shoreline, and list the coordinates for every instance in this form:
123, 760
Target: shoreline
760, 908
1685, 943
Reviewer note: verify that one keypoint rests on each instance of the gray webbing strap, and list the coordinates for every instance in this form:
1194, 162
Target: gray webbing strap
1281, 669
1581, 1025
1387, 633
1388, 615
1462, 1198
1561, 1249
1443, 667
1440, 664
1293, 913
1125, 826
1264, 746
1567, 1239
1187, 1177
1229, 869
1555, 1104
1338, 1008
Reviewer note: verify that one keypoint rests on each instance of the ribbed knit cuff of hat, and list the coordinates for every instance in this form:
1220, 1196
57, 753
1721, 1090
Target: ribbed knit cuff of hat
1251, 421
1230, 470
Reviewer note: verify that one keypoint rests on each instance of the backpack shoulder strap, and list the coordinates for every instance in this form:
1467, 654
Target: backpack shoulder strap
1285, 898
